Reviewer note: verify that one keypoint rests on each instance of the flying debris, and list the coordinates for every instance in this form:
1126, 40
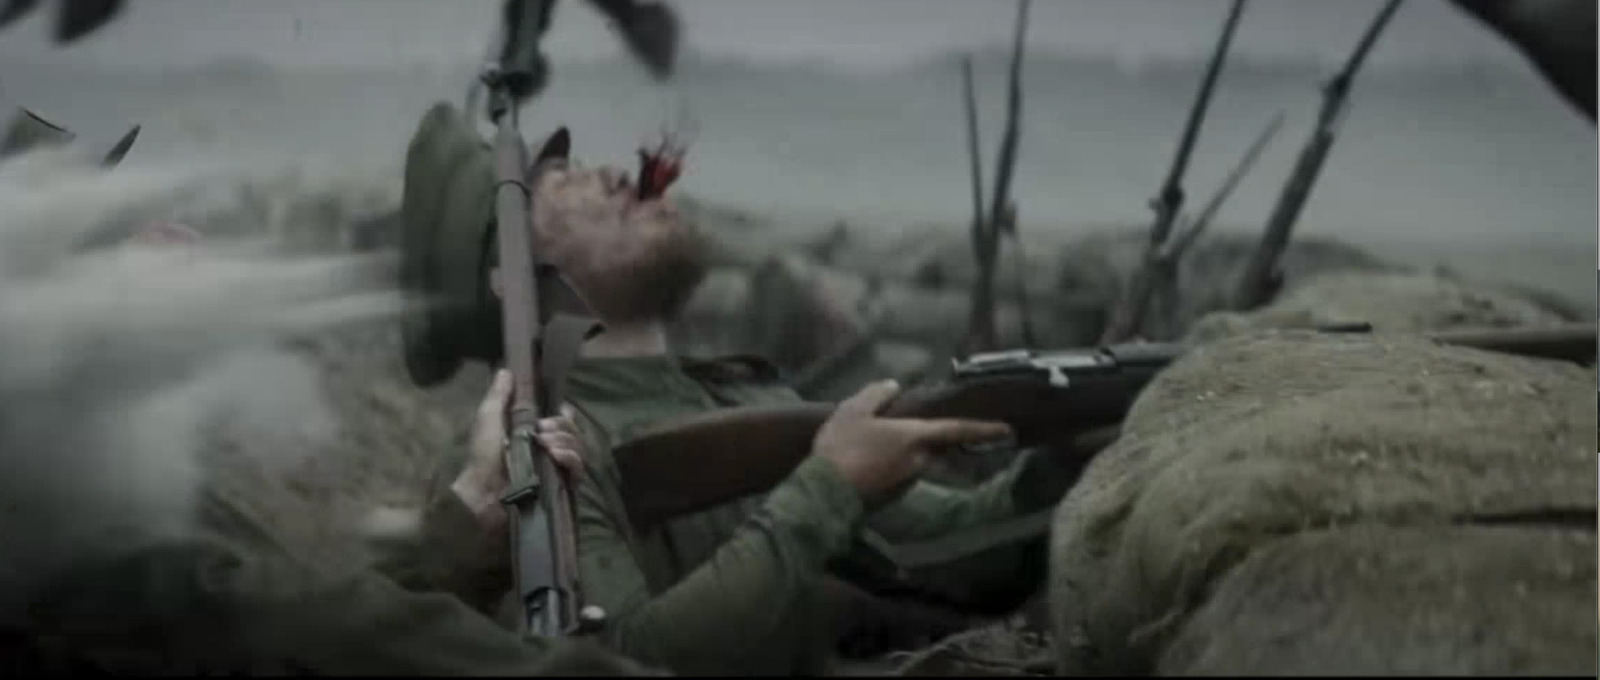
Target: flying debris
75, 19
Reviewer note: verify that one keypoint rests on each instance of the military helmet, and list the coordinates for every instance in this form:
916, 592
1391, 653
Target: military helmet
29, 131
448, 243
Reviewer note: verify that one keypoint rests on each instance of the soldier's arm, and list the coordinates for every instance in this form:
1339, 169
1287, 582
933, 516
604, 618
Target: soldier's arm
999, 577
452, 553
760, 585
928, 510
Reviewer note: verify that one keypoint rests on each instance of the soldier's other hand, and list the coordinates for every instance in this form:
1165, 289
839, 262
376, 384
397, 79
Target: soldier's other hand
879, 455
560, 438
485, 480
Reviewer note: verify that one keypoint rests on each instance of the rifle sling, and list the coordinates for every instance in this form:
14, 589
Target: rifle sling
563, 343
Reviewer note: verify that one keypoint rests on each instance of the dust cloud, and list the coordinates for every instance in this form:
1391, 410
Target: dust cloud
120, 364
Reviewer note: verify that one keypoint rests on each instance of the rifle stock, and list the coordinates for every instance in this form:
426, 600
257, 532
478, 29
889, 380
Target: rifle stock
696, 463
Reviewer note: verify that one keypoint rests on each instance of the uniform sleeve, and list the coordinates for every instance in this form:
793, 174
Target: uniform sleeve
452, 554
751, 591
929, 510
1000, 574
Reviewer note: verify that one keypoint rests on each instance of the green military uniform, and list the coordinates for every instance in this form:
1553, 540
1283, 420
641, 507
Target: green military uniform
737, 588
742, 588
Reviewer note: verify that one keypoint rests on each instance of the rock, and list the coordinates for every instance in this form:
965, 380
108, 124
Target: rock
1293, 503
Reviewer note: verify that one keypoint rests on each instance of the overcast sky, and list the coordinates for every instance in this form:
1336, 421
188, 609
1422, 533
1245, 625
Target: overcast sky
856, 32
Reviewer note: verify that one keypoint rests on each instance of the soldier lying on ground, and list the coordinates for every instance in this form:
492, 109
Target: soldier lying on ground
740, 588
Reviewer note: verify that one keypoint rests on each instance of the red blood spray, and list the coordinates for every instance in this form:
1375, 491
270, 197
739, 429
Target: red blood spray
661, 166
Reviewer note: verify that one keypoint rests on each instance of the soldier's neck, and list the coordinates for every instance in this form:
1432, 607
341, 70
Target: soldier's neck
637, 339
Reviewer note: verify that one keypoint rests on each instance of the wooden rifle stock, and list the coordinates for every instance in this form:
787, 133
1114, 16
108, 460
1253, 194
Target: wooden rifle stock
696, 463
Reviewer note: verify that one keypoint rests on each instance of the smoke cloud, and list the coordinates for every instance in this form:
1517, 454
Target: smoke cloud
121, 365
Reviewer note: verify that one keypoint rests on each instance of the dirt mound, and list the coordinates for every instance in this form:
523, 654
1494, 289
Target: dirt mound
1303, 503
1388, 301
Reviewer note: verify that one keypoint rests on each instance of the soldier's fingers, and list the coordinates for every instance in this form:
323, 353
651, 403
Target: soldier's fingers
559, 440
568, 460
560, 423
954, 431
870, 399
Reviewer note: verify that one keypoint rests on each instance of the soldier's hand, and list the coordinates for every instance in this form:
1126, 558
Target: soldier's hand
560, 438
879, 455
485, 479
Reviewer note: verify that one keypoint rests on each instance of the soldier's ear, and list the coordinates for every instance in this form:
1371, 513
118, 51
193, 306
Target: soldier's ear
495, 286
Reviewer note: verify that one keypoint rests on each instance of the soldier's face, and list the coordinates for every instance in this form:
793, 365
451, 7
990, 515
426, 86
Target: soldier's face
633, 260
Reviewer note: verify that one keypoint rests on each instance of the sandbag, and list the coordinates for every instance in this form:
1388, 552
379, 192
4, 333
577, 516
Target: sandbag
1298, 503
